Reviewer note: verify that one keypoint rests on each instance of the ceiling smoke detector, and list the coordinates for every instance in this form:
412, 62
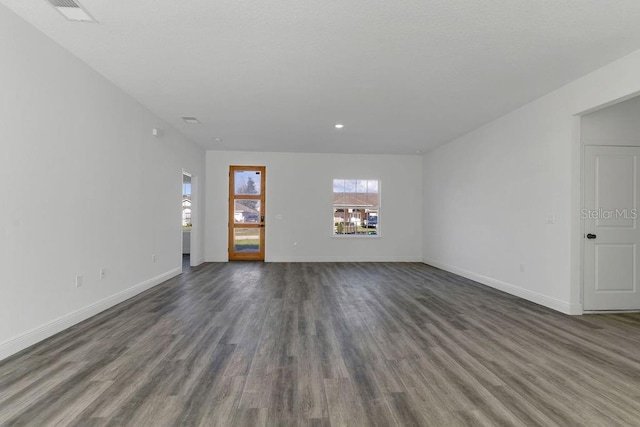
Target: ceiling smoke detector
191, 120
72, 10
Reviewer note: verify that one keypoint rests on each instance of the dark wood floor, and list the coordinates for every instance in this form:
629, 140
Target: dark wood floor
328, 344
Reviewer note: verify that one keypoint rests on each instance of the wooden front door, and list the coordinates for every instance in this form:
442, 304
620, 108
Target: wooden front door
246, 213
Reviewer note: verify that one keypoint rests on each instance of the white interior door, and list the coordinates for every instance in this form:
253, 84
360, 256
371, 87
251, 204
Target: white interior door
611, 232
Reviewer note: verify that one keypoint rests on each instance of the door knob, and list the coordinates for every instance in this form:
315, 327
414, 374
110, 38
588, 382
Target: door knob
591, 236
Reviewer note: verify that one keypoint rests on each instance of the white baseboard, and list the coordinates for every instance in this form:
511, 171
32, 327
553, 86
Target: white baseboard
333, 258
47, 330
216, 259
197, 262
553, 303
329, 258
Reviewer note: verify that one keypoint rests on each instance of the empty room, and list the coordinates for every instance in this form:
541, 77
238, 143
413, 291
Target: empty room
239, 213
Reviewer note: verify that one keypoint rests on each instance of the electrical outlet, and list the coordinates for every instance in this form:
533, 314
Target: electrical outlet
78, 281
153, 257
102, 273
521, 268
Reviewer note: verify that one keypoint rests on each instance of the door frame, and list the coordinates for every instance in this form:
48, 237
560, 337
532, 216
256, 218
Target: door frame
260, 225
195, 257
577, 225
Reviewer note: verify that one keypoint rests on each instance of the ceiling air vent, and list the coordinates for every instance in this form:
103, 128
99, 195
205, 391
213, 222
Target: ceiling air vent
72, 10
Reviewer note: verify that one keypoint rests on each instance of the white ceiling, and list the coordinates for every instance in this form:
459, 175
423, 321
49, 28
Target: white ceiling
401, 75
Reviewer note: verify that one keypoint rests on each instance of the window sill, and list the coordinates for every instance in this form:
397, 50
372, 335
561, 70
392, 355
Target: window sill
356, 236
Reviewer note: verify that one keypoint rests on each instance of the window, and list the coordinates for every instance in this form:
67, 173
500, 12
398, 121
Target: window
356, 205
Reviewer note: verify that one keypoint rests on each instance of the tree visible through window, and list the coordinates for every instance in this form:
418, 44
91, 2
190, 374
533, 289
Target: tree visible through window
356, 205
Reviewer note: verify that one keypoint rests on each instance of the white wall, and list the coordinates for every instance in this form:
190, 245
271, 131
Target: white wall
83, 185
299, 188
489, 194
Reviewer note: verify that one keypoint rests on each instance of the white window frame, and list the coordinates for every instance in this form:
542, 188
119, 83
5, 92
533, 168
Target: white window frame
379, 209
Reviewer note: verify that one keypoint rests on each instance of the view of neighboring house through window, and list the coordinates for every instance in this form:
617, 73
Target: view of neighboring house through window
186, 202
356, 205
247, 210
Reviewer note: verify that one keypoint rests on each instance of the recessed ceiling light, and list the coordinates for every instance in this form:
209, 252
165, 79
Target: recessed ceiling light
339, 125
72, 10
191, 120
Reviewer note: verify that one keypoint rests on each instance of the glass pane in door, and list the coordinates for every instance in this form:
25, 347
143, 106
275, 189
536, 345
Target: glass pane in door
247, 182
246, 240
246, 211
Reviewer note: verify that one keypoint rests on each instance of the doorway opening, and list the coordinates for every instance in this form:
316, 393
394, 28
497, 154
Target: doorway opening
610, 203
187, 224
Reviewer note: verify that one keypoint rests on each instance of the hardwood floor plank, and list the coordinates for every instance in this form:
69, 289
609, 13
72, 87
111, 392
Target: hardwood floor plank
345, 408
